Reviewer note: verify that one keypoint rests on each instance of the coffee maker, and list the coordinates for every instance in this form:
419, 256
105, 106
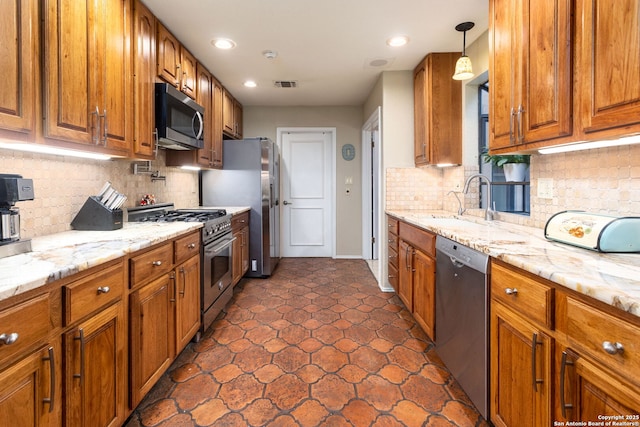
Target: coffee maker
13, 188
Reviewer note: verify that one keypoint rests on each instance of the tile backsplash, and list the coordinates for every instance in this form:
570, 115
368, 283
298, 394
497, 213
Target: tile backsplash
605, 181
62, 184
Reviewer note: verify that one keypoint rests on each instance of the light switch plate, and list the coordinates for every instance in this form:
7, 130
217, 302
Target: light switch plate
545, 188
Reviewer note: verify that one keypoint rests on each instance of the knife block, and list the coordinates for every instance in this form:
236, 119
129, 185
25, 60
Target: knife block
95, 216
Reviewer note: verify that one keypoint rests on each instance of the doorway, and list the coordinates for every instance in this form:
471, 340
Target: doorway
307, 195
371, 195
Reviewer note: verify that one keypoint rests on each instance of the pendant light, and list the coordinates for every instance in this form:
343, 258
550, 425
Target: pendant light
464, 70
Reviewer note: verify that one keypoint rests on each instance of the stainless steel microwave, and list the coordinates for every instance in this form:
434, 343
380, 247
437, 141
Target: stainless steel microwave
179, 119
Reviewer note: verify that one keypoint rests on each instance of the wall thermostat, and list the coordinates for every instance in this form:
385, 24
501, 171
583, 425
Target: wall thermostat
348, 152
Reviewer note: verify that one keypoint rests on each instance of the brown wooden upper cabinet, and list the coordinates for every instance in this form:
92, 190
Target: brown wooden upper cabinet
18, 37
530, 77
175, 64
437, 111
540, 97
144, 63
87, 74
232, 116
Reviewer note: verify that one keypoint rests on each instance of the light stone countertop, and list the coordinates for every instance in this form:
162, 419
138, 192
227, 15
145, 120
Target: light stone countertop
63, 254
611, 278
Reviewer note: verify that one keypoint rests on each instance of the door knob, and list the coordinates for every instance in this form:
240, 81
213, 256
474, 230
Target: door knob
287, 203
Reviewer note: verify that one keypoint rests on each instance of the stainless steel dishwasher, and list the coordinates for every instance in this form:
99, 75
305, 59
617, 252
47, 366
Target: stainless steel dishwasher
462, 317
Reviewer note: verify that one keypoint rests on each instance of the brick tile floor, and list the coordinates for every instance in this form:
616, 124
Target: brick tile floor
317, 344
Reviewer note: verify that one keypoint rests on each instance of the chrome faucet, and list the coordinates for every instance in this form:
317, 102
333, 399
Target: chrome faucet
489, 212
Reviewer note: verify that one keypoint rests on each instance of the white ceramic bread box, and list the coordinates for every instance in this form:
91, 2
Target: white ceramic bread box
597, 232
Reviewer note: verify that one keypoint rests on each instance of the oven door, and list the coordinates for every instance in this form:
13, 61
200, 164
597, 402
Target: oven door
216, 273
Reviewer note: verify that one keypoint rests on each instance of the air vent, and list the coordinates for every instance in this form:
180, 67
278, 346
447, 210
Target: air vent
286, 83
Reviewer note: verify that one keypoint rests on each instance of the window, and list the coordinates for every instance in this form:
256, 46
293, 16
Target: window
512, 197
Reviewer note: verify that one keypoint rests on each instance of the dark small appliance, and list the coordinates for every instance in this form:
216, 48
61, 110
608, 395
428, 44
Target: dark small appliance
13, 188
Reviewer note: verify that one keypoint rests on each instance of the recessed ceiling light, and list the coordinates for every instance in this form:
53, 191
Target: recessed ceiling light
398, 41
250, 83
222, 43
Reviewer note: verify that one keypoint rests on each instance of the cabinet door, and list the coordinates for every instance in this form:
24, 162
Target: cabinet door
204, 98
70, 101
405, 272
168, 56
419, 115
608, 66
227, 113
424, 292
152, 335
144, 60
117, 101
587, 392
236, 253
520, 371
245, 250
237, 118
95, 367
218, 124
547, 75
188, 70
29, 395
504, 70
18, 62
187, 301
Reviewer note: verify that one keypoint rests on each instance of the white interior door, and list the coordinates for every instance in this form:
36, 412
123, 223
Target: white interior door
307, 193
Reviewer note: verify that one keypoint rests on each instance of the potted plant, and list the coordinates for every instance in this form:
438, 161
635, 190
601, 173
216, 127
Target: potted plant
514, 165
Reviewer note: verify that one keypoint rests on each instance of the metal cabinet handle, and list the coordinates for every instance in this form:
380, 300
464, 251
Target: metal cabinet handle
95, 132
520, 138
172, 277
184, 281
52, 379
563, 367
104, 289
613, 348
407, 263
191, 246
8, 339
156, 263
104, 128
534, 345
82, 343
511, 291
512, 137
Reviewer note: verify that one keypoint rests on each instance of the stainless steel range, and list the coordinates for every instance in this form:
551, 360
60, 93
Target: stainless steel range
216, 256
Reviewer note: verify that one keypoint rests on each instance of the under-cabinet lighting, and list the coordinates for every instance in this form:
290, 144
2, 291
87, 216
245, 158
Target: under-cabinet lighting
445, 165
579, 146
190, 168
45, 149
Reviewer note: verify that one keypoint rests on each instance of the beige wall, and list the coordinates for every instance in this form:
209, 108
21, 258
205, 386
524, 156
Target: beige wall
62, 185
264, 121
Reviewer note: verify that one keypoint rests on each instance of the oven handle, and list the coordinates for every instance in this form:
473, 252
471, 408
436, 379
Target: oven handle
220, 247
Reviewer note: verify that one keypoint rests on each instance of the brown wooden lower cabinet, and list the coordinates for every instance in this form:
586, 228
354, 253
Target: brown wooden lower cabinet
95, 370
424, 292
29, 391
152, 346
187, 301
520, 371
240, 246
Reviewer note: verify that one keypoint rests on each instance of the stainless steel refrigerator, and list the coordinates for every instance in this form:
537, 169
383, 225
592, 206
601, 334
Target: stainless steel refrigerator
250, 177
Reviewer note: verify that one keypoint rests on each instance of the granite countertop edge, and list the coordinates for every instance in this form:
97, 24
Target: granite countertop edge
611, 278
60, 255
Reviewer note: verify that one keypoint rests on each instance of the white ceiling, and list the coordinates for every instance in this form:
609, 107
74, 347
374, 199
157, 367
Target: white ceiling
325, 45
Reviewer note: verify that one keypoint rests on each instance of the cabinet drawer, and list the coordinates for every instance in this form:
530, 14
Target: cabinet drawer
393, 276
152, 264
393, 241
393, 257
95, 291
186, 247
30, 321
524, 295
598, 333
239, 221
392, 225
420, 239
